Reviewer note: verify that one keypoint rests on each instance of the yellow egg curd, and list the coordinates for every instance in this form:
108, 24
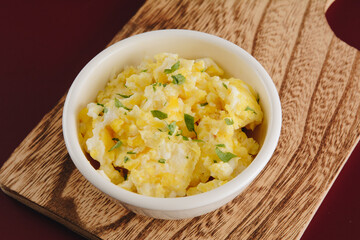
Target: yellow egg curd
171, 127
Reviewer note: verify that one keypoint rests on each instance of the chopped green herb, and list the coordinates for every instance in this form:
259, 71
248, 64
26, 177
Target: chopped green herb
178, 79
203, 70
161, 160
250, 109
126, 158
154, 88
215, 161
171, 127
117, 144
187, 157
220, 145
159, 114
145, 70
189, 121
125, 176
131, 152
224, 156
125, 85
164, 84
125, 113
173, 68
197, 140
124, 96
185, 138
225, 86
229, 121
146, 99
105, 110
118, 104
203, 104
257, 97
160, 130
165, 103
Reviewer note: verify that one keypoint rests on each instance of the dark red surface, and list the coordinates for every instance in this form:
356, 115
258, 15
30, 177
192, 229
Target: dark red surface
344, 19
44, 44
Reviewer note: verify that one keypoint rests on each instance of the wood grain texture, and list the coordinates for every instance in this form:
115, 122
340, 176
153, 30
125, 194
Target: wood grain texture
318, 78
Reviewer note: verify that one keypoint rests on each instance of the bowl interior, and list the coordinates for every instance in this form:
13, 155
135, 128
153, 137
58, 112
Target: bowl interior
188, 44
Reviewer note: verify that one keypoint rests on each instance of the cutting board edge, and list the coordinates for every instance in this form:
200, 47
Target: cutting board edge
357, 140
73, 227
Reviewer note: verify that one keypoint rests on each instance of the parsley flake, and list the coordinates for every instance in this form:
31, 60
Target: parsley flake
203, 104
229, 121
203, 70
118, 104
189, 121
159, 114
173, 68
171, 127
131, 152
257, 97
161, 160
117, 144
126, 158
105, 110
225, 86
145, 70
185, 138
250, 109
224, 156
178, 79
197, 140
215, 161
124, 96
220, 145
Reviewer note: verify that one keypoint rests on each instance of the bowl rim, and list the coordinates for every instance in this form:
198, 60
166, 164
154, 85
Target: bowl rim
232, 187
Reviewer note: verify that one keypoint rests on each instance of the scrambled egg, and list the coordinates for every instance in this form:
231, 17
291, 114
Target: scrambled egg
171, 127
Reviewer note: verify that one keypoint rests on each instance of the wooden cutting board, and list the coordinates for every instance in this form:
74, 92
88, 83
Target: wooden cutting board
318, 79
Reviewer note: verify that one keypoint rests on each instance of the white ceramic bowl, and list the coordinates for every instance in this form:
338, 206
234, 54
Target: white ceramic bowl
188, 44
